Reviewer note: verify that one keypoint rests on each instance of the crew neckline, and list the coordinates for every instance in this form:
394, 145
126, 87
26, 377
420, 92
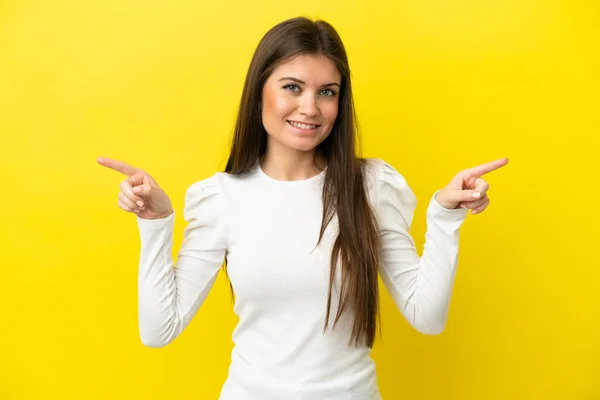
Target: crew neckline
263, 174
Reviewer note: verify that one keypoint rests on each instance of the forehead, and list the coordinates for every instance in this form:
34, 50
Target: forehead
312, 69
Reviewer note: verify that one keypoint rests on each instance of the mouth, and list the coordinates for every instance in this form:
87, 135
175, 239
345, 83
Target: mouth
305, 128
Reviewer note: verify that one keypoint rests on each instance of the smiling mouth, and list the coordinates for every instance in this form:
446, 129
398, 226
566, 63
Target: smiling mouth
306, 127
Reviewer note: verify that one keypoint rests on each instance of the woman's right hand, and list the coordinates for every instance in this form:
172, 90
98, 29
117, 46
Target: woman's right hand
139, 192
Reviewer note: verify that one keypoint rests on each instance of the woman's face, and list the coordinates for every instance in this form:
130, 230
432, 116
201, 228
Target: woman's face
300, 102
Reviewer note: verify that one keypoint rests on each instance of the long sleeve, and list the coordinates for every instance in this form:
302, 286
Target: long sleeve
170, 294
421, 287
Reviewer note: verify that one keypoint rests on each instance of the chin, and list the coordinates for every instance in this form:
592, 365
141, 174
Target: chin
296, 142
303, 144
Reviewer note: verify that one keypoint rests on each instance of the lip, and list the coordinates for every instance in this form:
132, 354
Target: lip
303, 131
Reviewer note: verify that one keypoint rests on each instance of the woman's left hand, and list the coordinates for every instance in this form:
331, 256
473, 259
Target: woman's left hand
468, 190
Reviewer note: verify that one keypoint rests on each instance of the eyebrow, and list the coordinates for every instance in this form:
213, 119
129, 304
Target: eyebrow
289, 78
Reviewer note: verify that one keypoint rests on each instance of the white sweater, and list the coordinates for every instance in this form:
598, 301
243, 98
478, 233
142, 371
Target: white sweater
267, 230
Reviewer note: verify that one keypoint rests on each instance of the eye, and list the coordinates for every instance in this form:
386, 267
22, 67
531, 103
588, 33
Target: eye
328, 92
291, 87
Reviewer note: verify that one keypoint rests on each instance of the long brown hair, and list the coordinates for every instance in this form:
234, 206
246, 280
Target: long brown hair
344, 190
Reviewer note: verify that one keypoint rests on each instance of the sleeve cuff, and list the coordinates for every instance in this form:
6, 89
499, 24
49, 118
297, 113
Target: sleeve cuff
155, 224
438, 211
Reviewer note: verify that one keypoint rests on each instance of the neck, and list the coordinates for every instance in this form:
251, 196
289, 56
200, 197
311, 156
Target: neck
292, 165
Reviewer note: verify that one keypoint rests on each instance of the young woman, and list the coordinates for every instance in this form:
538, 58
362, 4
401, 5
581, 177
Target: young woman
305, 227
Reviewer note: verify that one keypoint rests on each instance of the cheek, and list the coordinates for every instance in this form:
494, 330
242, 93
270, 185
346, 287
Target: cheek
330, 112
276, 107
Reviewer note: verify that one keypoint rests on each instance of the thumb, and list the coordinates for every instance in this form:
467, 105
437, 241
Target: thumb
144, 188
466, 195
450, 197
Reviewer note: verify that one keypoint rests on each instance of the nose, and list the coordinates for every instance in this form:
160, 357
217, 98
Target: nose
308, 105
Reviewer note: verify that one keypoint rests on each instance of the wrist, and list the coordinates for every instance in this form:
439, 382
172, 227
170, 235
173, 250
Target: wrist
164, 215
157, 216
443, 201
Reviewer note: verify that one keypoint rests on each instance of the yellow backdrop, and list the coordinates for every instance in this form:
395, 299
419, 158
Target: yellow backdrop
440, 86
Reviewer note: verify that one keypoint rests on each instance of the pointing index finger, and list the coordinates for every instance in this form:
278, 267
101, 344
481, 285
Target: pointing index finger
118, 166
487, 167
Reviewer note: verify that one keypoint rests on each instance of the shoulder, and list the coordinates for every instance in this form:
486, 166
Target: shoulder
206, 201
377, 171
220, 186
388, 189
209, 185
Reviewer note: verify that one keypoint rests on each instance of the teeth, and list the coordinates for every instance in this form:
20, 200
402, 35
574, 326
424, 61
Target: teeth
302, 126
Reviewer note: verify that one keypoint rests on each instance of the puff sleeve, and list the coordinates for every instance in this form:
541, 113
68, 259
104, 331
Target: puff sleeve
170, 294
421, 286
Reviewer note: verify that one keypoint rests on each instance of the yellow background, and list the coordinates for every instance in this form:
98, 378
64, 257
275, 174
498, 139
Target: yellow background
440, 86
